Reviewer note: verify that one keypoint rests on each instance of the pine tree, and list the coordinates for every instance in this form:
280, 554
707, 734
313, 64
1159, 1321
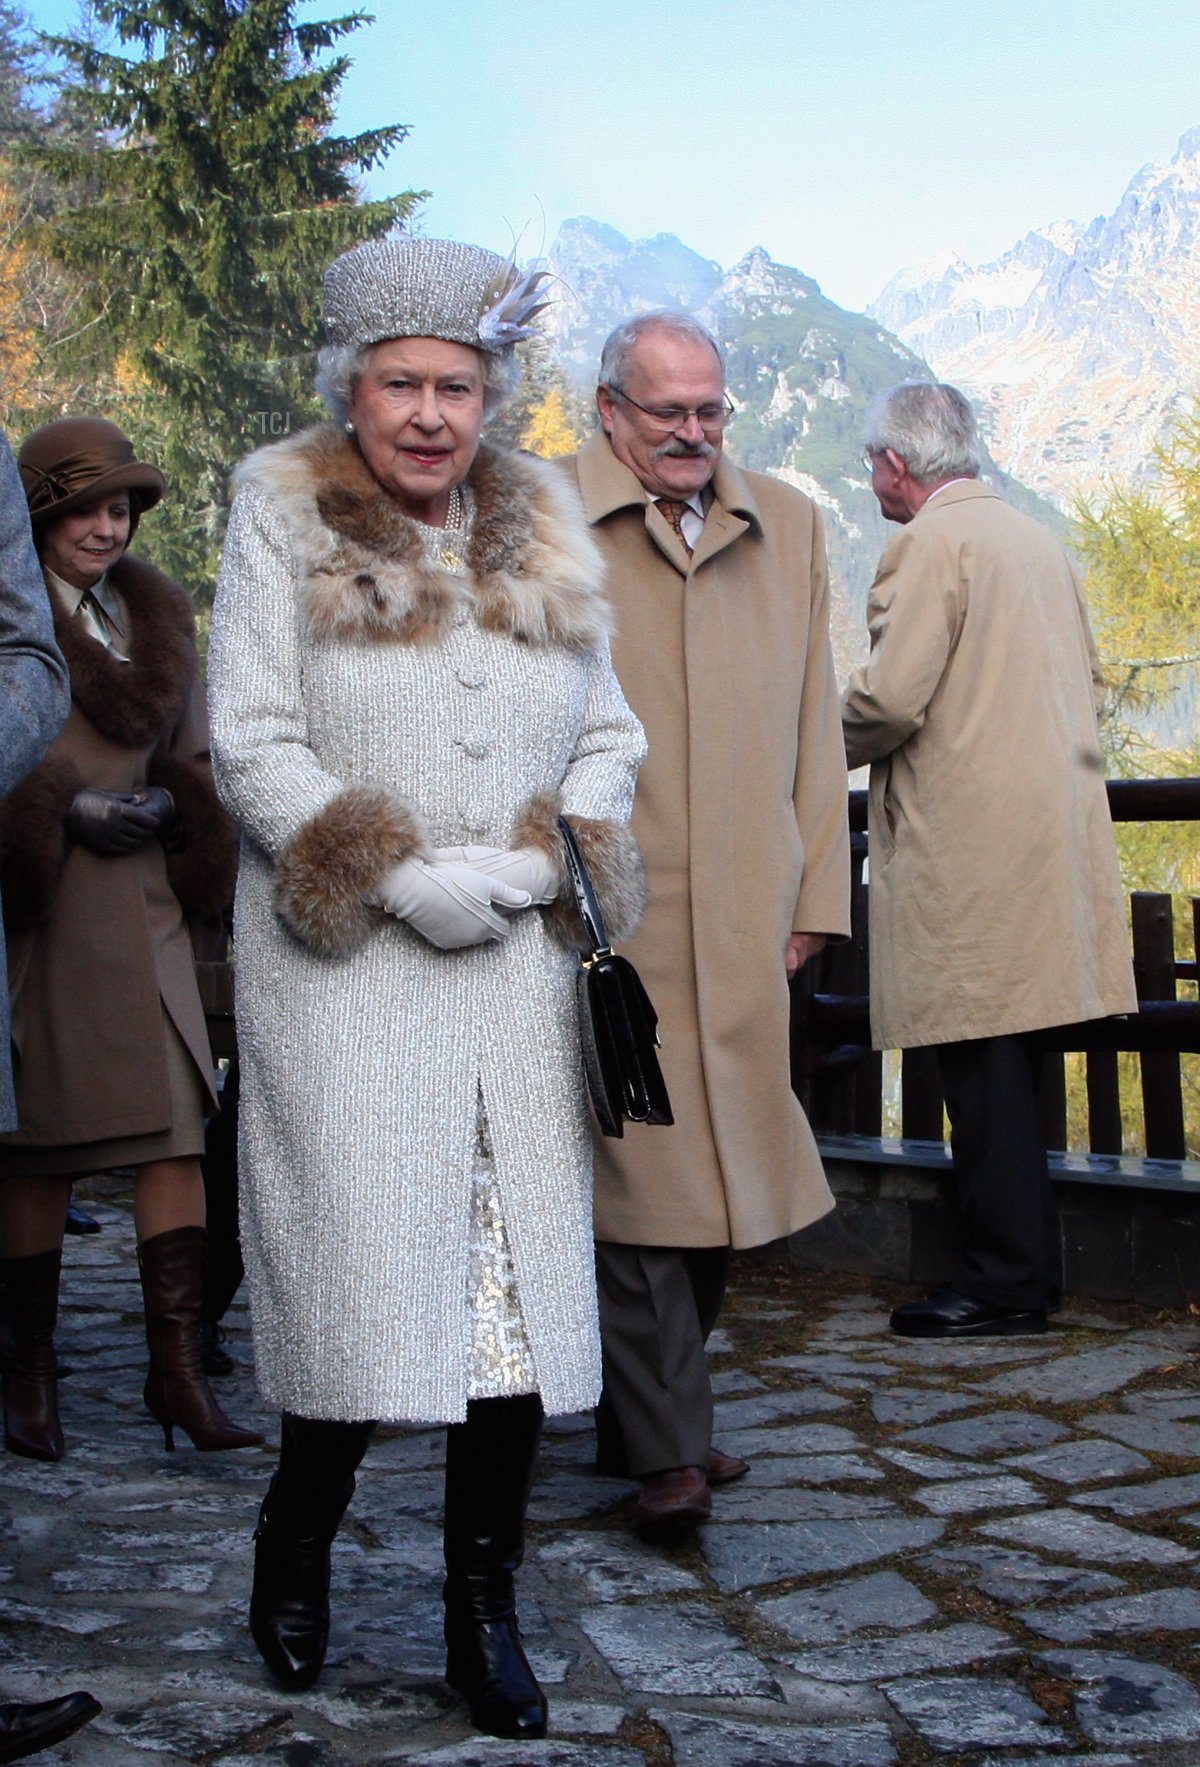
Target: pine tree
208, 198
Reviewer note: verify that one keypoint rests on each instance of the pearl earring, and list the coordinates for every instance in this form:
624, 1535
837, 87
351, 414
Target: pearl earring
349, 427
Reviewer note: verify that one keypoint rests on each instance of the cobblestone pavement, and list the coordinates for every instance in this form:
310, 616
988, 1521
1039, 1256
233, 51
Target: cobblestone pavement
974, 1555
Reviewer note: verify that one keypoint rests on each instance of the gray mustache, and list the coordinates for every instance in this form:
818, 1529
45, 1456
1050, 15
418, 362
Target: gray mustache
684, 450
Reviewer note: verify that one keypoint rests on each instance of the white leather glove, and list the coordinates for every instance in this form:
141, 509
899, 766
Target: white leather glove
523, 867
450, 905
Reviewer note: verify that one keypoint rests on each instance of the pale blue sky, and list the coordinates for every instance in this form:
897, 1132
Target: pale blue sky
849, 139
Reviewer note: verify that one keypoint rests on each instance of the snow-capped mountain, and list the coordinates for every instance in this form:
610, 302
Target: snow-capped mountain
1080, 342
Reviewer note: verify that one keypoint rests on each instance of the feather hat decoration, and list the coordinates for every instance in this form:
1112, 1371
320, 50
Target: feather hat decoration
403, 286
511, 302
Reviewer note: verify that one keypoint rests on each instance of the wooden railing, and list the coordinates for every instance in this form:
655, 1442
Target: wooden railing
840, 1078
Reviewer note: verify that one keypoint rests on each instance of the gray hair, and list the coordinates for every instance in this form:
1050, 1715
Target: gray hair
340, 368
931, 426
620, 344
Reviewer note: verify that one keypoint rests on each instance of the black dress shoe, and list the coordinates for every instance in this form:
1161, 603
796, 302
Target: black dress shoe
948, 1314
24, 1730
79, 1222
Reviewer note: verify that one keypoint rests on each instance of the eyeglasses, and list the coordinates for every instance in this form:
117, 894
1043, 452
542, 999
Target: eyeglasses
672, 417
869, 457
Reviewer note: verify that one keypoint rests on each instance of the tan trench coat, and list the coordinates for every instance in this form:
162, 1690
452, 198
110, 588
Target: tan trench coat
94, 942
996, 898
740, 813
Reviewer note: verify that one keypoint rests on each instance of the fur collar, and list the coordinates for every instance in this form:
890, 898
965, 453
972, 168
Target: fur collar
134, 702
536, 572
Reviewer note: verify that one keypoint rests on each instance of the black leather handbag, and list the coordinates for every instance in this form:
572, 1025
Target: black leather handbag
618, 1026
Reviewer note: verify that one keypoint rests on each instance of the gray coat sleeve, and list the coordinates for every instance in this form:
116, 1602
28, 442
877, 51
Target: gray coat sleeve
34, 693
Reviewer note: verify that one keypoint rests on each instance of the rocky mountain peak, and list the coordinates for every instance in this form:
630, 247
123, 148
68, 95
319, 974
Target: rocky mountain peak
1079, 342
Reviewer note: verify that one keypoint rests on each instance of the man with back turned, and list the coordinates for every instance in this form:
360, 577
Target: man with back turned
996, 899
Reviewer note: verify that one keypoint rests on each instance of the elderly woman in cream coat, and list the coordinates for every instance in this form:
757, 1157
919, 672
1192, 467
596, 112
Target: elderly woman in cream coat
410, 683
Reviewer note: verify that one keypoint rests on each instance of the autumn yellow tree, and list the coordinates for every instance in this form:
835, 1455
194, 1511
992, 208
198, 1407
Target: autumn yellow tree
550, 431
1140, 546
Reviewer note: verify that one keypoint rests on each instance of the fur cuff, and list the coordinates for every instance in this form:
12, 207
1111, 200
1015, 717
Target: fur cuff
614, 865
33, 841
202, 855
323, 873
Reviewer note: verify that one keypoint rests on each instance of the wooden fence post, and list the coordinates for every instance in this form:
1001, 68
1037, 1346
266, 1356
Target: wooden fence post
1154, 973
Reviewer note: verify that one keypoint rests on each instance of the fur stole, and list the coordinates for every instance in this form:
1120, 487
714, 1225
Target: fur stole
535, 570
136, 705
133, 703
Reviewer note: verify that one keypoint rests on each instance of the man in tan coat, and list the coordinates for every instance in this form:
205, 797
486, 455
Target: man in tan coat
722, 648
996, 899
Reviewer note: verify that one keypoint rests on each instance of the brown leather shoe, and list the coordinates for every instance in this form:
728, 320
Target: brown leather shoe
672, 1503
723, 1469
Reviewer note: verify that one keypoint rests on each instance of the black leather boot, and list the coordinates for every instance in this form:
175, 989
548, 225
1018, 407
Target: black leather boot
489, 1469
300, 1515
26, 1730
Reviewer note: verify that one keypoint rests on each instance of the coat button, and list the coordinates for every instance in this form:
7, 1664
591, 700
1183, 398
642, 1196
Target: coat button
474, 747
471, 678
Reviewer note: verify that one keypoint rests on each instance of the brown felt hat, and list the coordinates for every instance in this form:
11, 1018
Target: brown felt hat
66, 464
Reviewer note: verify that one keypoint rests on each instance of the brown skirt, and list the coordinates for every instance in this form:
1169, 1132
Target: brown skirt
183, 1140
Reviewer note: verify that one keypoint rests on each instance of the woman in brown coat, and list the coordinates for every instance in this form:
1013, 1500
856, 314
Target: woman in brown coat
104, 848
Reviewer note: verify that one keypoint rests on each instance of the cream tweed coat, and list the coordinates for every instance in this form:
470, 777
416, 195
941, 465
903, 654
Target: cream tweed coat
366, 706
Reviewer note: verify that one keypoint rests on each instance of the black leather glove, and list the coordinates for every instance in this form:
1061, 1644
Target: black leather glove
114, 823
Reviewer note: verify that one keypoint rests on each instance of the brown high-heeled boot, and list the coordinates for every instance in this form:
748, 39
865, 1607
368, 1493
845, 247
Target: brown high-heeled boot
177, 1389
31, 1425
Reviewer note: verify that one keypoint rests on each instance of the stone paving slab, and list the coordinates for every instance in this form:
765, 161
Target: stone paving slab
1156, 1610
815, 1469
1150, 1499
953, 1713
726, 1742
742, 1555
934, 1466
1012, 1577
916, 1405
788, 1503
685, 1649
1077, 1462
1091, 1374
798, 1438
971, 1496
1150, 1434
839, 1610
1126, 1700
992, 1432
1085, 1537
918, 1522
1057, 1760
951, 1647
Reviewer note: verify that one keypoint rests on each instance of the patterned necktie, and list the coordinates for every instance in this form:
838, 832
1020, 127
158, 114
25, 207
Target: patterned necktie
672, 508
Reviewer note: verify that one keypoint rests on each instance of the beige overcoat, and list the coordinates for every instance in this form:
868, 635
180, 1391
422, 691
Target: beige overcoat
740, 812
996, 898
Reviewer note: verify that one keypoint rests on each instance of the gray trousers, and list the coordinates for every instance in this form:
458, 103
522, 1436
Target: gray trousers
658, 1305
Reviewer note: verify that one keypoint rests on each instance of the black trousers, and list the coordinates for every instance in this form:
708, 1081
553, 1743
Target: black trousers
1011, 1252
224, 1270
658, 1305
